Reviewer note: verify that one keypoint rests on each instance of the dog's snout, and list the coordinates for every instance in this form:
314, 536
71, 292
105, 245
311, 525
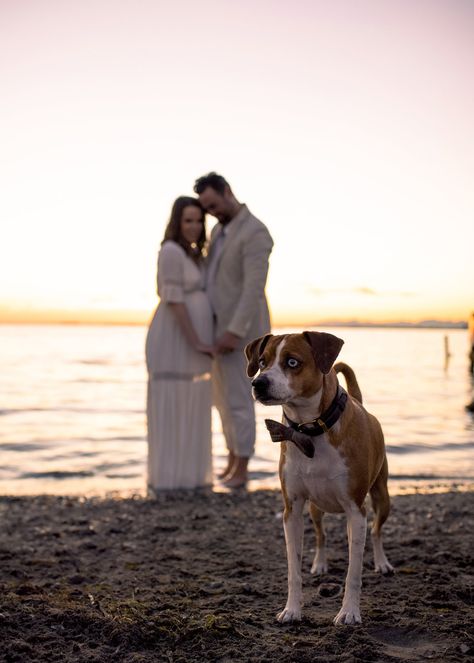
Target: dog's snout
260, 384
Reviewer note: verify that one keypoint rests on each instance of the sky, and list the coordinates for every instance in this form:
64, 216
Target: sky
345, 125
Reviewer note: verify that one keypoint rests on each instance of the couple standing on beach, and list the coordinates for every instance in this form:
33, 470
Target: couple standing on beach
210, 308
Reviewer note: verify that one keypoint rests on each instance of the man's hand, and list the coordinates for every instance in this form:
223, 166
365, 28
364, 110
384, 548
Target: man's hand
228, 342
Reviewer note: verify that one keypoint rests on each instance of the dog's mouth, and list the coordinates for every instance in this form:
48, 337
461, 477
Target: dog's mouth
267, 399
266, 393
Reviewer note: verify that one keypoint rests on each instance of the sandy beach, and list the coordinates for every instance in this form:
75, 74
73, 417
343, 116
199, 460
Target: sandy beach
194, 577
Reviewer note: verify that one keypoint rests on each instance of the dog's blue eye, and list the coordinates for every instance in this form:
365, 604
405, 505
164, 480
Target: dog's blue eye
292, 363
261, 363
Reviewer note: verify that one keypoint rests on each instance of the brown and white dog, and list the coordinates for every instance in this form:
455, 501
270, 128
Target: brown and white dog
332, 454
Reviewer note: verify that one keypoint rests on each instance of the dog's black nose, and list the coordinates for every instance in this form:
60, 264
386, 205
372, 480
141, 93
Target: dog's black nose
260, 385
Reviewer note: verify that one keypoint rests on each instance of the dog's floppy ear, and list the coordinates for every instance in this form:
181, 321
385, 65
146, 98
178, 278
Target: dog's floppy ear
253, 351
325, 348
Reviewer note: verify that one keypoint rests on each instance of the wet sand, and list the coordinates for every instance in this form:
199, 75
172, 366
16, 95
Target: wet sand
199, 577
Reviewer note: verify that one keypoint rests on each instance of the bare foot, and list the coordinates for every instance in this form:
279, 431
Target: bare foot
238, 478
236, 481
230, 466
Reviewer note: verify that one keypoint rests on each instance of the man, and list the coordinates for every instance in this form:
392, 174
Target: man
237, 272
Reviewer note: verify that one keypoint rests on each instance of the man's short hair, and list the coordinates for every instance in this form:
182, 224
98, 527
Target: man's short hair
214, 180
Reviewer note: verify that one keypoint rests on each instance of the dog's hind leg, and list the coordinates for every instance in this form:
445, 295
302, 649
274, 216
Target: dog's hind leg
294, 527
320, 564
381, 505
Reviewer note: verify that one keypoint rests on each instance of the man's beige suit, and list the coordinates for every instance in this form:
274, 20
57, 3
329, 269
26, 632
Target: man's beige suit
237, 295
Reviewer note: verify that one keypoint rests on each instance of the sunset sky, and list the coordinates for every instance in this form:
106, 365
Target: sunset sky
345, 125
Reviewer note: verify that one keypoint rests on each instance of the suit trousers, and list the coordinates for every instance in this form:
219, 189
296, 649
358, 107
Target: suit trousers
232, 395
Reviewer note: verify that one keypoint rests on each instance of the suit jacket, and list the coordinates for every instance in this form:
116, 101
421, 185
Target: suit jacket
238, 292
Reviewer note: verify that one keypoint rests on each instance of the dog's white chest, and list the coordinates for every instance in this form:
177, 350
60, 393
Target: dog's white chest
322, 478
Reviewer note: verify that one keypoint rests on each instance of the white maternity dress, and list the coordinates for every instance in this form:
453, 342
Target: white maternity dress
179, 386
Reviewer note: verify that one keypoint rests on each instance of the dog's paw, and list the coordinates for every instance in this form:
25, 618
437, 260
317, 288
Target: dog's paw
289, 615
278, 432
384, 567
319, 567
350, 616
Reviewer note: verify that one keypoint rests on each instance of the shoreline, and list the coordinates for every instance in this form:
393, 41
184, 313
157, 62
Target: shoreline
195, 576
258, 481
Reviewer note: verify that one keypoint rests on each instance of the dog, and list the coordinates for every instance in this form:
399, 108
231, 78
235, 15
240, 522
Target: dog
332, 454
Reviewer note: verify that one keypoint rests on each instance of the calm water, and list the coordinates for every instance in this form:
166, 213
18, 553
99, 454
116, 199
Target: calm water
72, 408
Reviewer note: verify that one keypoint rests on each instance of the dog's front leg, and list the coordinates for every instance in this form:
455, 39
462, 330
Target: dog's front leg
293, 525
356, 532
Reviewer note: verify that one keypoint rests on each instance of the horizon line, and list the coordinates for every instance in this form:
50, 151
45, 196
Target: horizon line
397, 324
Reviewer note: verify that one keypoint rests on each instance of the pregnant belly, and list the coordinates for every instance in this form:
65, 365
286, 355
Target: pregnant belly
200, 313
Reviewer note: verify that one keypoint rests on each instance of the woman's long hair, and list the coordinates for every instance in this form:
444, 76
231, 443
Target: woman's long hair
173, 229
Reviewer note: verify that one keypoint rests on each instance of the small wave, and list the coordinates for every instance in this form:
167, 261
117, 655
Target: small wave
93, 381
94, 362
427, 477
24, 446
117, 438
78, 410
123, 476
104, 381
9, 471
105, 467
64, 474
108, 362
73, 454
38, 445
422, 448
125, 438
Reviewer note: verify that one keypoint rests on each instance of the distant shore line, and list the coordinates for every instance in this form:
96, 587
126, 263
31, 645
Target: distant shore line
423, 324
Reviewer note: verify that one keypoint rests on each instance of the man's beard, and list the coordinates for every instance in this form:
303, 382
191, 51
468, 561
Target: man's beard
225, 218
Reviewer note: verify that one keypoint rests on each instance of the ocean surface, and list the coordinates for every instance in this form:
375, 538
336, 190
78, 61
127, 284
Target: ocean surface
72, 409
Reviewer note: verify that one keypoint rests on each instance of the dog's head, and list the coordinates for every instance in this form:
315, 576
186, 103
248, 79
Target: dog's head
291, 365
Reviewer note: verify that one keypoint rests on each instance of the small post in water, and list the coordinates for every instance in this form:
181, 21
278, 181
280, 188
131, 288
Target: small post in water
447, 354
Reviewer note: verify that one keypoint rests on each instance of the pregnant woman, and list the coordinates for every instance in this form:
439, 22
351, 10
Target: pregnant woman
178, 357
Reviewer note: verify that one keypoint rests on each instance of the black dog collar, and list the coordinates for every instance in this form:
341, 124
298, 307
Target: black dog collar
323, 423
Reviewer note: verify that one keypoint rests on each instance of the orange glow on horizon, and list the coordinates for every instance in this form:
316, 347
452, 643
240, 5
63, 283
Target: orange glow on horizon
86, 316
73, 316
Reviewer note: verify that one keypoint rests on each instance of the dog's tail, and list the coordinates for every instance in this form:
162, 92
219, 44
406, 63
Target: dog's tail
351, 380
